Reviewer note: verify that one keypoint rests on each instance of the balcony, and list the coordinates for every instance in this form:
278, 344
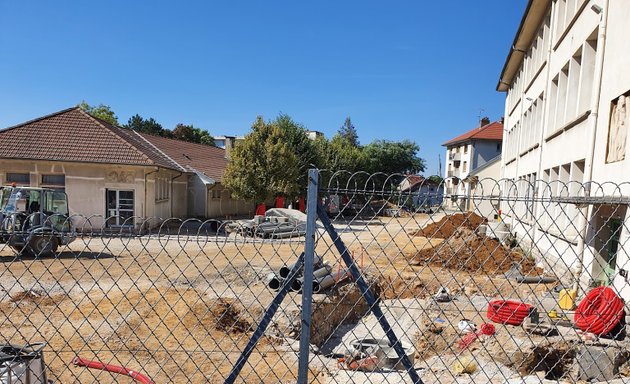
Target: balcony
457, 156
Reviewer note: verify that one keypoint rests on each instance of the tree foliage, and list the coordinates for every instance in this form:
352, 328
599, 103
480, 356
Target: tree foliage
338, 154
392, 157
191, 134
149, 126
275, 156
349, 133
437, 179
101, 111
264, 164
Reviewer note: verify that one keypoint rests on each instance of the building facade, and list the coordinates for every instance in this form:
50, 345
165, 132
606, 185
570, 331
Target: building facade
111, 172
467, 152
567, 88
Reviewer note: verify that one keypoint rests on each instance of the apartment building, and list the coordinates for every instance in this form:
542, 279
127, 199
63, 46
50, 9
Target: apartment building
467, 152
567, 84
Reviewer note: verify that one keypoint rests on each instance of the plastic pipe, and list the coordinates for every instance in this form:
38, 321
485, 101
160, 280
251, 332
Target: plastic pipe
137, 376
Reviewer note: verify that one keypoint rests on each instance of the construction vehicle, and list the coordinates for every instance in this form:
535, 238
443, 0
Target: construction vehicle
35, 221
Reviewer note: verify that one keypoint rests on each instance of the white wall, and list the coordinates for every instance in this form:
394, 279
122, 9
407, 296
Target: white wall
555, 106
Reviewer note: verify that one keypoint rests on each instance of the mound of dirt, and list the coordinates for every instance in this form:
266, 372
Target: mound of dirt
445, 228
399, 287
226, 317
468, 251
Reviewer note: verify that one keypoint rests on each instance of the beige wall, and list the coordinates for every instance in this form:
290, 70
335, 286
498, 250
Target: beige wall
226, 206
86, 184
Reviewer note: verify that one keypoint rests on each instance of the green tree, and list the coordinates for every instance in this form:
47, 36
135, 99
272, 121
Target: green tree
349, 133
392, 157
191, 134
264, 164
338, 154
102, 111
301, 146
150, 126
436, 179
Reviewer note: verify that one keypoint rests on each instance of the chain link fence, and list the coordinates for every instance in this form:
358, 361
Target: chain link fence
404, 281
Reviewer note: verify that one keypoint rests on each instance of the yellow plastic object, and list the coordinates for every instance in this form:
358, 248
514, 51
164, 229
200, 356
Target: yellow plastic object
463, 365
567, 299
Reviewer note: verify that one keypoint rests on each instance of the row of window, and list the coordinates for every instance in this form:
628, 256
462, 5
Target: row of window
536, 56
457, 149
572, 87
570, 94
534, 59
54, 180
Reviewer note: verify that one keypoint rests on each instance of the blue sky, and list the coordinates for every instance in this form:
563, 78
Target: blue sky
418, 70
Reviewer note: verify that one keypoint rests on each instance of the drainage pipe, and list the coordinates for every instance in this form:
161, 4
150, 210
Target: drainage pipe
585, 212
328, 281
317, 274
274, 281
285, 269
137, 376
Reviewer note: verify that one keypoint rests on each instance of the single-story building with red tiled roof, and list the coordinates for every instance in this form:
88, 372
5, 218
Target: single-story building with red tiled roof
109, 171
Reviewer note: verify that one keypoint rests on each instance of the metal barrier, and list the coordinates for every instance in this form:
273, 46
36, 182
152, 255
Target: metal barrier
386, 279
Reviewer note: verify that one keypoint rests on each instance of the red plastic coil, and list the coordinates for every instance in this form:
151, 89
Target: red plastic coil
508, 311
600, 311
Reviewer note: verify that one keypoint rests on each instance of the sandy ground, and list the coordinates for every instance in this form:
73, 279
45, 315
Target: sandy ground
182, 308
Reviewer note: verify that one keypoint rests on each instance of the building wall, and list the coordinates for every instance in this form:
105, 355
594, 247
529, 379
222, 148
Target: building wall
86, 186
554, 109
484, 151
222, 205
485, 192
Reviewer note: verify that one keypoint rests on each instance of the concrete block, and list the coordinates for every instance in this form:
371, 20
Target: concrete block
597, 363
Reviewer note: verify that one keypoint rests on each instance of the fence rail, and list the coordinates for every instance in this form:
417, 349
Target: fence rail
506, 281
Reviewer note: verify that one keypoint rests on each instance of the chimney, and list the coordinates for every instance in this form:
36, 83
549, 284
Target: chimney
484, 121
230, 141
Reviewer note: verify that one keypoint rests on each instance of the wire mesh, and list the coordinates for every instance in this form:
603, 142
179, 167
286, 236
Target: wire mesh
501, 283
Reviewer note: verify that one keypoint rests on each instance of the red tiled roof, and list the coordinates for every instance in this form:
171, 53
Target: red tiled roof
209, 160
492, 131
73, 135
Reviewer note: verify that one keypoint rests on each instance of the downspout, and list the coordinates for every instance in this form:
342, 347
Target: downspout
586, 211
172, 179
144, 213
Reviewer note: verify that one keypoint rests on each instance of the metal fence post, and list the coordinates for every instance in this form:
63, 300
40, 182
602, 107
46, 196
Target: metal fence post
307, 290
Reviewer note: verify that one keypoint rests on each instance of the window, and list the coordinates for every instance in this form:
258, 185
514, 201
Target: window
216, 194
466, 148
19, 178
465, 167
498, 147
54, 181
162, 190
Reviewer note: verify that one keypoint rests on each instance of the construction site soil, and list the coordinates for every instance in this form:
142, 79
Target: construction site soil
465, 249
181, 309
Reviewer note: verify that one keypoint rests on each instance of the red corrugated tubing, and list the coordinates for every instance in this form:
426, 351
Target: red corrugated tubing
508, 311
137, 376
600, 311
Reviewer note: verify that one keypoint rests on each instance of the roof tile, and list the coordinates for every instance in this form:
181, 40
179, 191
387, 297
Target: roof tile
492, 131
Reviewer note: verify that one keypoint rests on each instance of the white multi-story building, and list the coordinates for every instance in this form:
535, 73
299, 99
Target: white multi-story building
467, 152
567, 79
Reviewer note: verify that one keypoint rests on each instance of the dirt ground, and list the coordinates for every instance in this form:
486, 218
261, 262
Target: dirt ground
181, 309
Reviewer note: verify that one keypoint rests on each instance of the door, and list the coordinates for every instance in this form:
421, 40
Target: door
120, 207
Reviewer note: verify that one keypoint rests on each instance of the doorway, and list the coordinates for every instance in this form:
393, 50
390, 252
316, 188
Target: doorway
119, 207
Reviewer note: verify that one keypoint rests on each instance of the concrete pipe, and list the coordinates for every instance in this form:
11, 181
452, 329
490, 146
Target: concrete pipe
285, 269
274, 281
317, 274
328, 281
